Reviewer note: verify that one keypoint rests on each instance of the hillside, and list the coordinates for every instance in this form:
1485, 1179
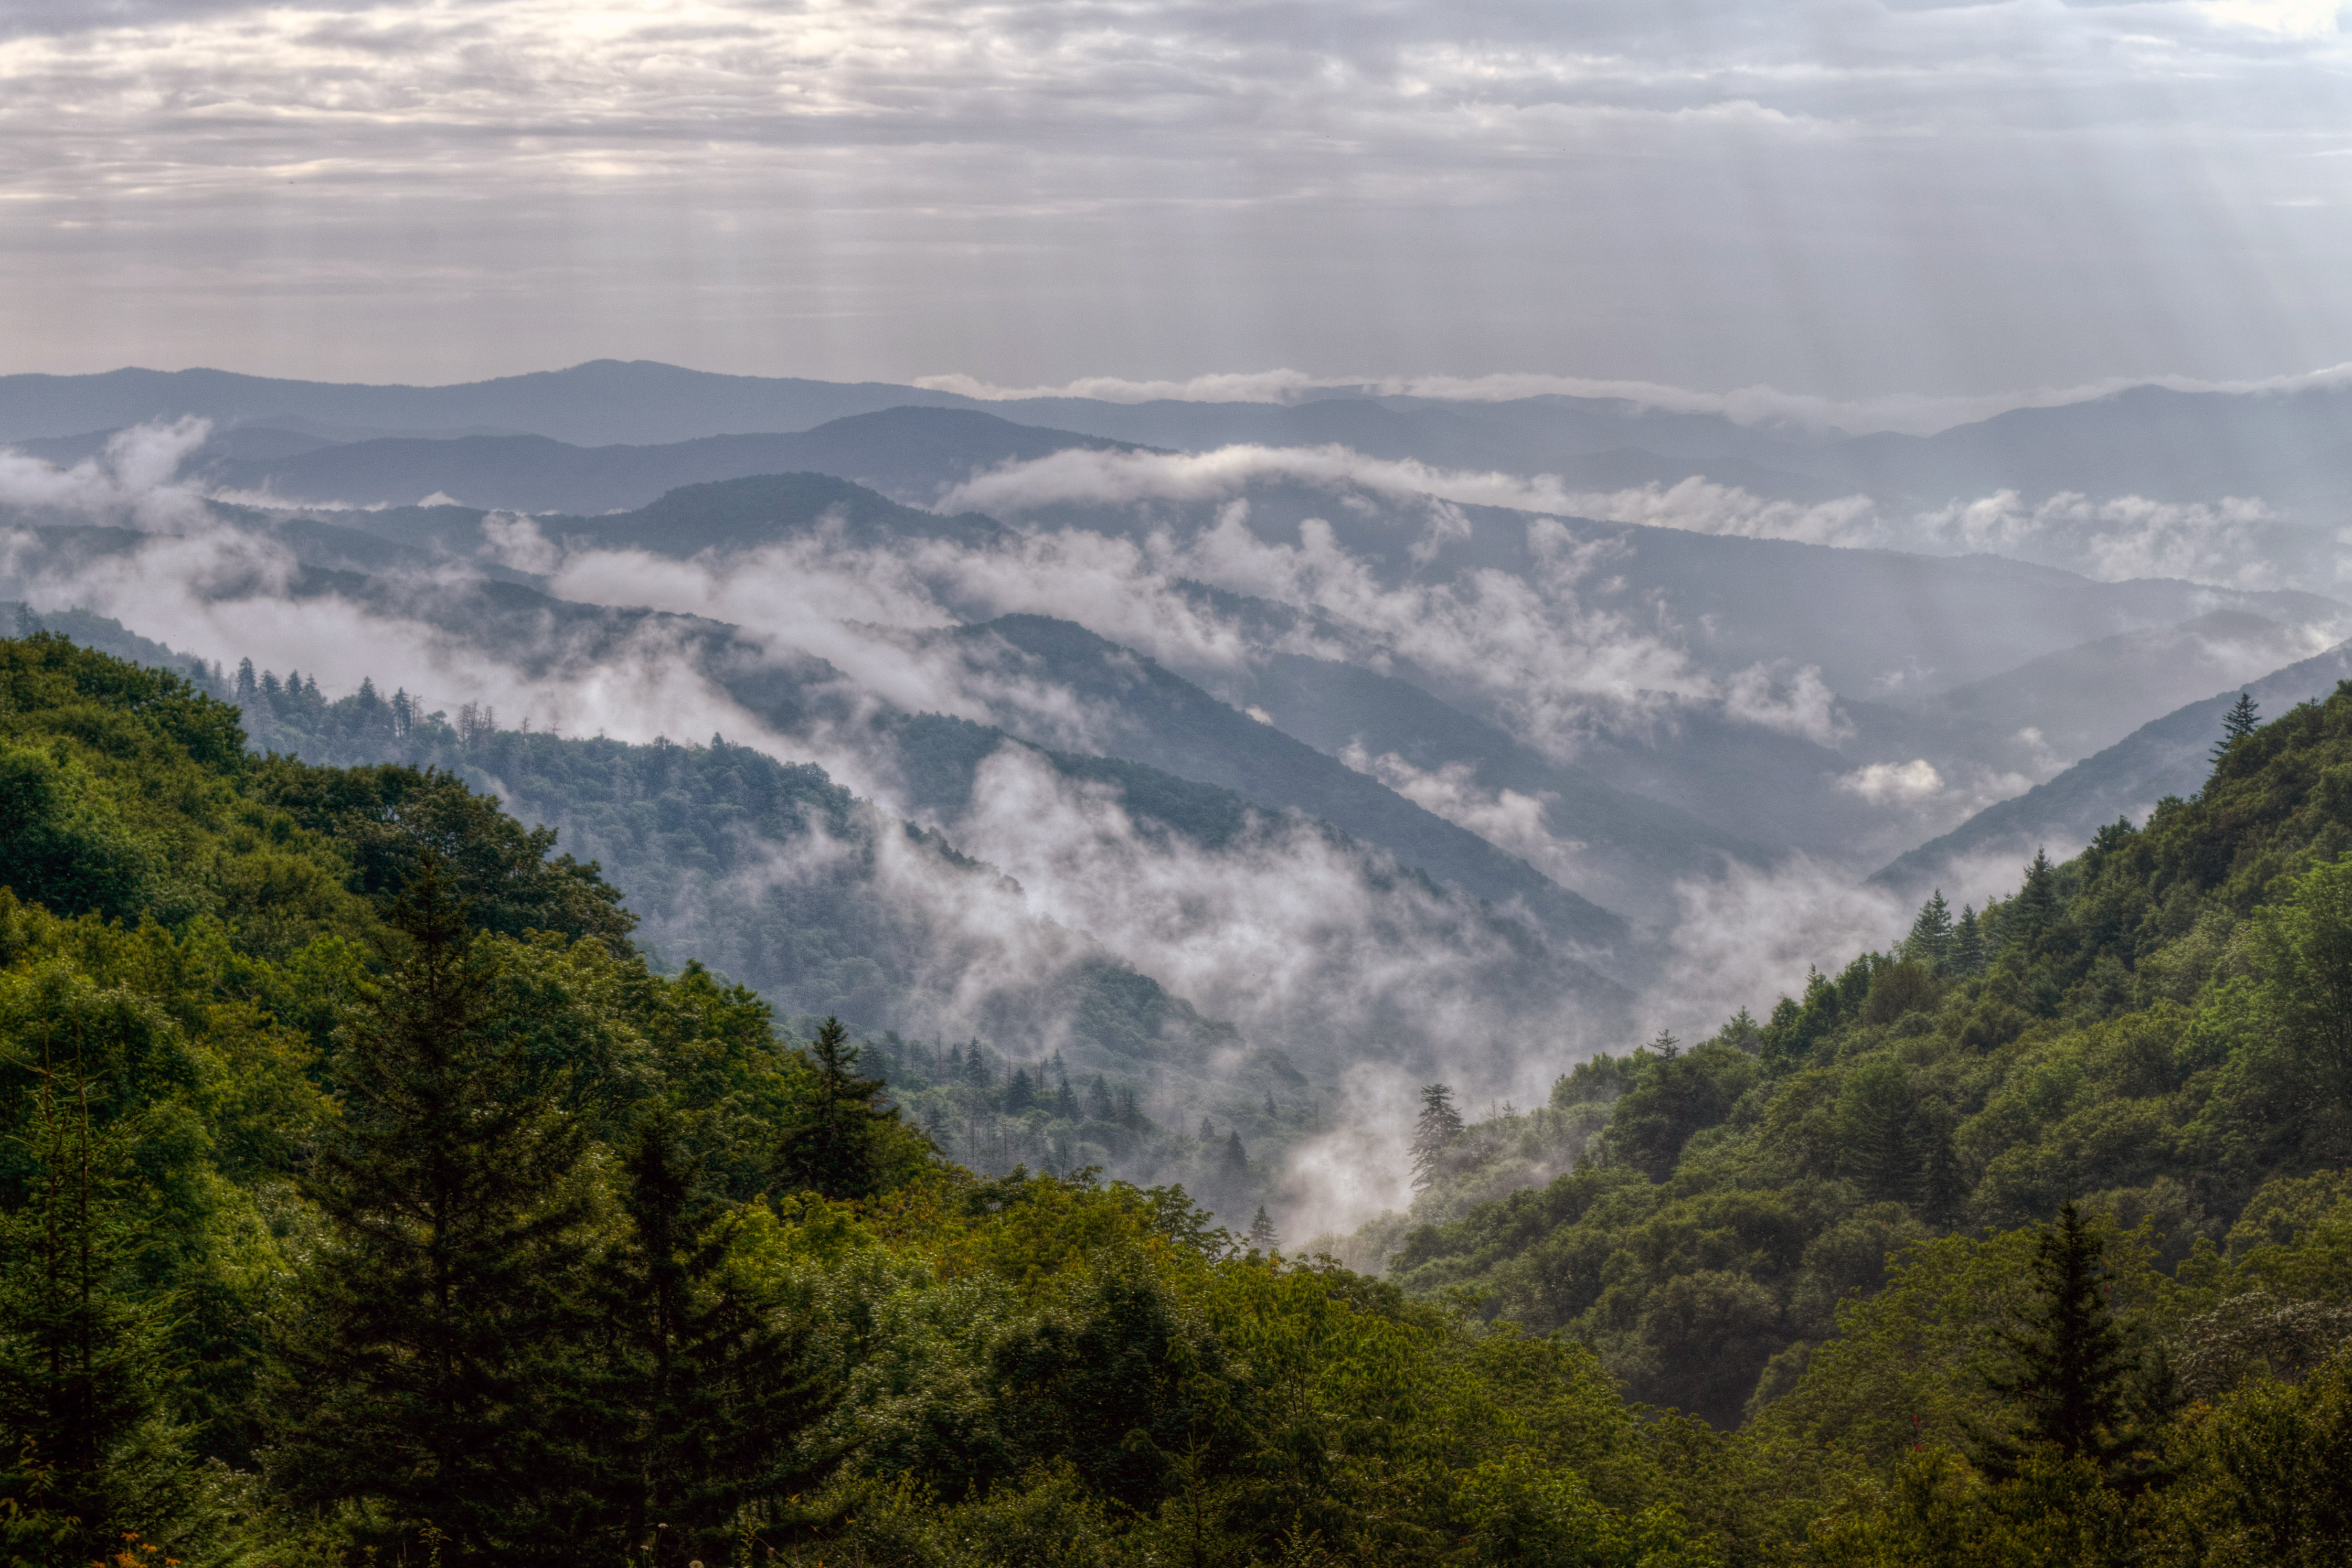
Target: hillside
2146, 1030
265, 984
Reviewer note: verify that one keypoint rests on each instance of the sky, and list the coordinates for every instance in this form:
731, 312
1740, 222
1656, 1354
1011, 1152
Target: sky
1843, 198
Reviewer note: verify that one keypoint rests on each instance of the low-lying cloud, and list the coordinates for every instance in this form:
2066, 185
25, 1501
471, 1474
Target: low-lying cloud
2232, 541
132, 483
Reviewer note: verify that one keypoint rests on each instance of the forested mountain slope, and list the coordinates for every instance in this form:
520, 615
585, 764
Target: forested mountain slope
366, 1197
1138, 711
2152, 1030
1624, 850
778, 878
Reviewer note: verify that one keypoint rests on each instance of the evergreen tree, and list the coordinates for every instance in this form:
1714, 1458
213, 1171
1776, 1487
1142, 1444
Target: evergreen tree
1065, 1102
1969, 943
1232, 1160
1433, 1132
715, 1389
1742, 1032
1020, 1092
1943, 1186
2026, 919
1100, 1106
82, 1350
1878, 1143
426, 1365
1930, 941
2074, 1381
836, 1139
2243, 719
1262, 1236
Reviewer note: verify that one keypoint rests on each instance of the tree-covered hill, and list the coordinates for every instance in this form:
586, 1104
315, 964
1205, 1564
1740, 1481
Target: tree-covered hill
2153, 1029
366, 1197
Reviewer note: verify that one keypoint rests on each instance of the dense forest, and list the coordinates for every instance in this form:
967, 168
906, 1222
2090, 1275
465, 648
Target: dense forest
773, 874
368, 1196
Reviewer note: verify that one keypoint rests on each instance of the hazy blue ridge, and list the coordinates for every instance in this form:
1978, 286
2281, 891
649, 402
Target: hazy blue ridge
2171, 755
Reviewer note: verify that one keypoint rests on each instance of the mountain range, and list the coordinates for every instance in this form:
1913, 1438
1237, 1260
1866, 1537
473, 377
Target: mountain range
1532, 734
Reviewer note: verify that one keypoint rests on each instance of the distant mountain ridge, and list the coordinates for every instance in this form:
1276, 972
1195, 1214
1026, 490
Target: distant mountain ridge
908, 453
2148, 440
2170, 756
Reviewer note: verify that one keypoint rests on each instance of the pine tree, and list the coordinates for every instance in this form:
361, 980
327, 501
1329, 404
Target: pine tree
716, 1390
2026, 919
1433, 1132
835, 1135
1930, 941
1232, 1160
1065, 1102
2076, 1382
1262, 1236
82, 1352
2243, 719
1878, 1138
1020, 1092
1943, 1186
1969, 943
425, 1365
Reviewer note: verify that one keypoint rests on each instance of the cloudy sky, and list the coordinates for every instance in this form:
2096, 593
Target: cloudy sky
1842, 197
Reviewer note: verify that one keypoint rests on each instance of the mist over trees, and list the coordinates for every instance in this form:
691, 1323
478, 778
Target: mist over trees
369, 1194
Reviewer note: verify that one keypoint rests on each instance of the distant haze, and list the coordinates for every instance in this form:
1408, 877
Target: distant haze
1840, 198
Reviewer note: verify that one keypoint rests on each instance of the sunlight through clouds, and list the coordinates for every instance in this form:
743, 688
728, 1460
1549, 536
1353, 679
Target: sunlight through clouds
1952, 200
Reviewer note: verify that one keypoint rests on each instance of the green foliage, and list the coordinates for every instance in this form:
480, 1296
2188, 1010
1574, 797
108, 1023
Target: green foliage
363, 1186
1930, 941
1433, 1132
2149, 1030
391, 820
84, 1358
2078, 1385
838, 1138
773, 874
424, 1361
2243, 719
1678, 1096
2261, 1478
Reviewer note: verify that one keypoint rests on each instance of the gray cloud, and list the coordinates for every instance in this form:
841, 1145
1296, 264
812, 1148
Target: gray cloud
1830, 195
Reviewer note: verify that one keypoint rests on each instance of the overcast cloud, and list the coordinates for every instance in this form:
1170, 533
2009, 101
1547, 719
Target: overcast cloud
1840, 198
